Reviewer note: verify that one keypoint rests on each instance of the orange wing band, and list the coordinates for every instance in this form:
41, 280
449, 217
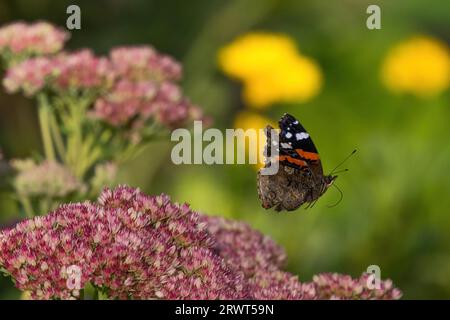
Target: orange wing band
298, 162
308, 155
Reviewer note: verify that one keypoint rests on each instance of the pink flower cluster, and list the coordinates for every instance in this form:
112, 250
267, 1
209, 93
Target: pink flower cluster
258, 258
261, 260
144, 63
337, 286
126, 101
82, 70
29, 76
65, 71
131, 245
49, 179
32, 39
244, 248
145, 88
134, 84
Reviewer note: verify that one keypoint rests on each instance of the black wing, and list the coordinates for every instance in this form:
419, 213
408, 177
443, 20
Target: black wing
296, 148
294, 135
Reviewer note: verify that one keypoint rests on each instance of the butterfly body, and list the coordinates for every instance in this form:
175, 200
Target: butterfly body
300, 177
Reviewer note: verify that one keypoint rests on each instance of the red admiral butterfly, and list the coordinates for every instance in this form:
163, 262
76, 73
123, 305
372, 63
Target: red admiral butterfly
300, 177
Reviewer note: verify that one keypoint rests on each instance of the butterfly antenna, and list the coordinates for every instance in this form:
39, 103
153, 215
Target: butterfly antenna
343, 161
340, 171
340, 199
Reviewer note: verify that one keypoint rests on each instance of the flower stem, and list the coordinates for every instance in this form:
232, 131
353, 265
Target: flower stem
26, 204
77, 150
44, 121
56, 134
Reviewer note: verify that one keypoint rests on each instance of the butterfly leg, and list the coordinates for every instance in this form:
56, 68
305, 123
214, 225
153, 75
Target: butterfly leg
310, 195
314, 203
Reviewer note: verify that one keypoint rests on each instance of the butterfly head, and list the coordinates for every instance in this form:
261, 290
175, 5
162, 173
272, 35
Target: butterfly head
327, 182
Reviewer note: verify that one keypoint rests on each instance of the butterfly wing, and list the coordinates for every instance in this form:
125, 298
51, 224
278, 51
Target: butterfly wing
300, 177
296, 148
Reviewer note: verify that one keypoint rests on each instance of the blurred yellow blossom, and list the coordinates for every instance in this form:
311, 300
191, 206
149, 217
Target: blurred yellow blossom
249, 120
271, 69
299, 80
256, 53
420, 65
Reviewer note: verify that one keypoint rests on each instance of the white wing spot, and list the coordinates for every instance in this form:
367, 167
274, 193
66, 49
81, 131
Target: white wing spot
301, 136
288, 135
296, 122
286, 145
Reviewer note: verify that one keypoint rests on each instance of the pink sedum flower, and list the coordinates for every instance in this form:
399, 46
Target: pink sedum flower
80, 70
145, 89
32, 39
126, 101
131, 245
244, 248
144, 63
338, 286
275, 284
30, 76
37, 252
135, 103
48, 179
172, 109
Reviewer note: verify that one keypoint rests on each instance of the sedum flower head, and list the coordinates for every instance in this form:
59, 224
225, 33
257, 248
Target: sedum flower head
80, 70
126, 101
144, 63
130, 245
31, 39
244, 248
271, 69
145, 89
279, 285
30, 76
338, 286
48, 178
258, 258
420, 66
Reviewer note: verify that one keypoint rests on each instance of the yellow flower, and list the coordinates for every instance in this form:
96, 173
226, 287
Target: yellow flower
249, 120
256, 53
271, 69
297, 80
420, 66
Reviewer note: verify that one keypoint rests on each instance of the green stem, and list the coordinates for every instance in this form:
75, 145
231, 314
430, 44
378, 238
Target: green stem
102, 295
44, 116
76, 154
45, 205
56, 134
26, 204
96, 295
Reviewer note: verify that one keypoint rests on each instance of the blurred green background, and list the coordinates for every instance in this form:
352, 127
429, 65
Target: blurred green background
396, 207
